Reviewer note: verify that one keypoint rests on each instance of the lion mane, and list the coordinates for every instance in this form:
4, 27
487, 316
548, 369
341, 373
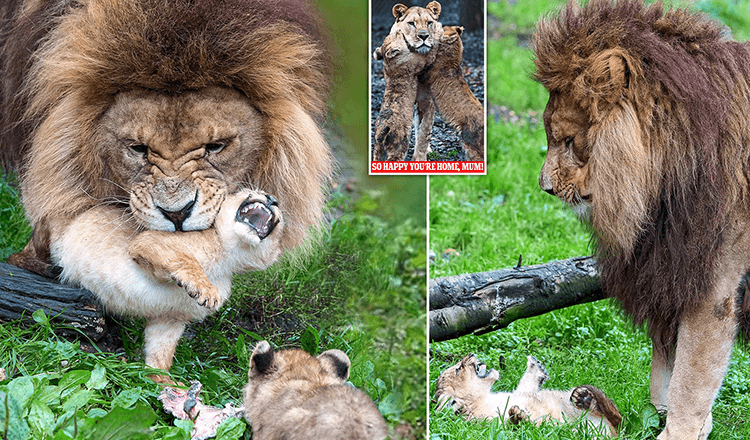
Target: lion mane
666, 95
73, 57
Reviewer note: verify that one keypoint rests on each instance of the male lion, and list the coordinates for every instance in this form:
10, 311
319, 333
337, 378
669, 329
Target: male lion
453, 98
292, 395
416, 34
155, 111
647, 126
467, 386
169, 278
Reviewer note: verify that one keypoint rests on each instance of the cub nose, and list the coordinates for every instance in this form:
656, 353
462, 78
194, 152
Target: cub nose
179, 216
423, 34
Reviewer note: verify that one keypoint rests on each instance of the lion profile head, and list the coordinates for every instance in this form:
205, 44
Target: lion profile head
642, 129
164, 108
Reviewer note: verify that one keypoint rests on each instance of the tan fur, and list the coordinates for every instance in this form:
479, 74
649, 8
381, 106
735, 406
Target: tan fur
453, 98
292, 395
467, 386
663, 181
170, 278
409, 56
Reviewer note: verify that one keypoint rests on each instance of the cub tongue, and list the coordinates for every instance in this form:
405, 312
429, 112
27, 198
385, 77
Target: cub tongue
256, 215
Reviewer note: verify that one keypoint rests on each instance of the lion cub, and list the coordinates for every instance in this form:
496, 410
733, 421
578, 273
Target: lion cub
453, 98
409, 48
467, 387
171, 278
292, 395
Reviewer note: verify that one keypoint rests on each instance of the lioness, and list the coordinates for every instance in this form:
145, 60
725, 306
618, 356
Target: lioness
171, 278
400, 68
292, 395
467, 387
453, 98
416, 33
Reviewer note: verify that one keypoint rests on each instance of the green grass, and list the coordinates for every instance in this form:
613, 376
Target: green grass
490, 220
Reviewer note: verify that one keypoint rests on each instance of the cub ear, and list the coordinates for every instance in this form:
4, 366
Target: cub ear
378, 54
335, 362
261, 361
460, 30
450, 34
434, 8
399, 10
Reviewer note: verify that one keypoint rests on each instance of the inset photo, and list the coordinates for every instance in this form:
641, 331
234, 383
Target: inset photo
427, 87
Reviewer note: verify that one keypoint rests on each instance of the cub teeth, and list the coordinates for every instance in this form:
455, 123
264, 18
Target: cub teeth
257, 216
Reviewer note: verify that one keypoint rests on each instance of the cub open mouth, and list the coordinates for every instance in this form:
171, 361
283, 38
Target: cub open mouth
258, 216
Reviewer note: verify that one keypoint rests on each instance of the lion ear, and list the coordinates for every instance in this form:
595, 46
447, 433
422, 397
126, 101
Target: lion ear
336, 362
435, 8
399, 10
605, 81
378, 54
451, 37
460, 30
262, 359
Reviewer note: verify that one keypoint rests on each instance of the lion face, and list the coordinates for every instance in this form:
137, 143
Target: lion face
469, 377
565, 173
420, 27
175, 157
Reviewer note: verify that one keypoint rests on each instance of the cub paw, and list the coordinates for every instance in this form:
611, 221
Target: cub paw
582, 398
204, 293
533, 365
516, 415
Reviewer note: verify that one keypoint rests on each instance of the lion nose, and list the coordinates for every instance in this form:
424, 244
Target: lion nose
546, 183
423, 34
179, 216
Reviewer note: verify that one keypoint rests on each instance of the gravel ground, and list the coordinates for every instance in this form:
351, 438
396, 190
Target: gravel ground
444, 140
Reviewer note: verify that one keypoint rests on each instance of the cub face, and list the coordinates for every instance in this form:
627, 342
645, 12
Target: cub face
565, 173
420, 27
175, 157
469, 377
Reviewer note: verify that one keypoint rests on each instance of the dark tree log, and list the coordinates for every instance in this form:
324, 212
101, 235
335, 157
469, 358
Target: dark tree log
483, 302
24, 292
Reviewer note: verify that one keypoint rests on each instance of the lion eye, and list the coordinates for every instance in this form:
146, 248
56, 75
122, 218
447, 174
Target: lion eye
411, 23
458, 370
569, 142
215, 147
139, 148
429, 23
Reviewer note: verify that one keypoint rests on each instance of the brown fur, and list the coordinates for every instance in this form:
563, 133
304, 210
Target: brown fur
467, 387
647, 133
453, 98
165, 49
292, 395
409, 56
400, 68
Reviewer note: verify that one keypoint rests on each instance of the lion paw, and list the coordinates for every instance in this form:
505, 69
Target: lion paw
203, 292
582, 397
516, 415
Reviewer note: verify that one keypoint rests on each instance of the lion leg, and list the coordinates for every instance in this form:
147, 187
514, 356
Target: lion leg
424, 121
35, 256
393, 127
472, 136
534, 376
161, 336
165, 256
592, 399
661, 374
704, 344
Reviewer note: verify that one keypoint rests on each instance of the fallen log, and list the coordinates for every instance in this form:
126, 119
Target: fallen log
24, 292
478, 303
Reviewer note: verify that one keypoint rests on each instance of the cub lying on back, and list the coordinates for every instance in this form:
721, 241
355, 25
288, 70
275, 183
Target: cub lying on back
467, 387
171, 278
291, 395
453, 98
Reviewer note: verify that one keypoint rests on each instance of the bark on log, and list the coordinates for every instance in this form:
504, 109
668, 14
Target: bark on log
24, 292
483, 302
